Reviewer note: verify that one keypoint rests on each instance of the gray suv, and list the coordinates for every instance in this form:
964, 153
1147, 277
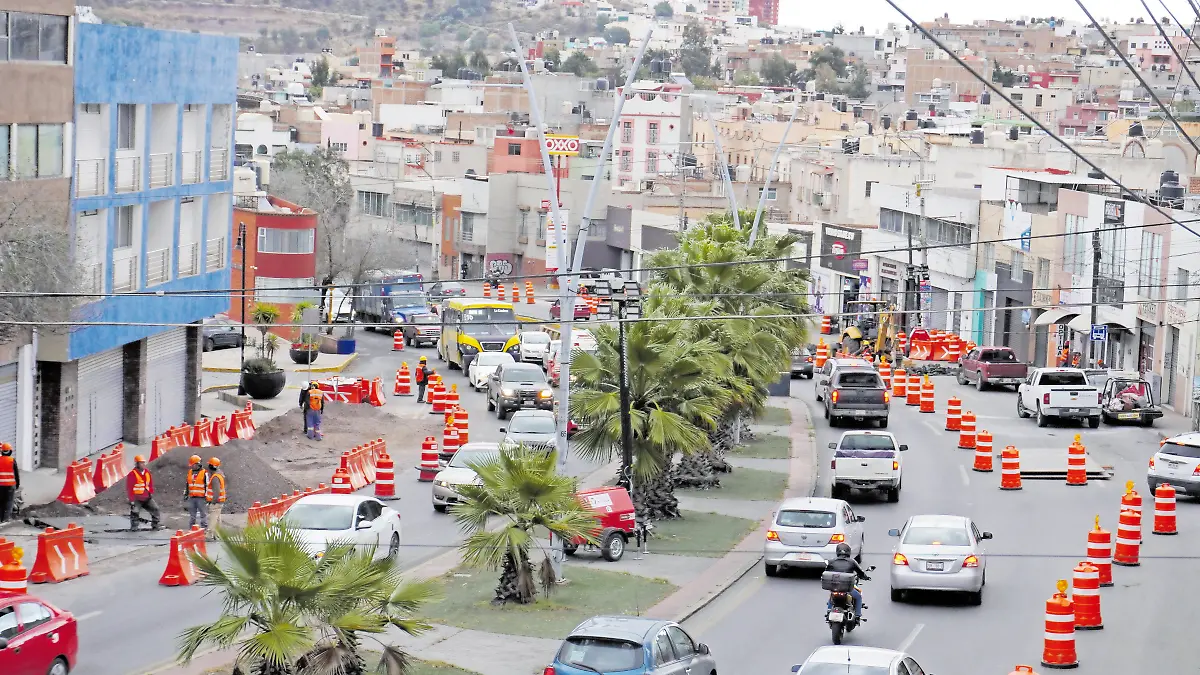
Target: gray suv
518, 385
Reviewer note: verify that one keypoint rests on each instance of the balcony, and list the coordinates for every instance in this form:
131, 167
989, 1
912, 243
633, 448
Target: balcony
125, 275
189, 260
218, 164
158, 266
129, 174
91, 278
162, 169
192, 161
215, 258
89, 177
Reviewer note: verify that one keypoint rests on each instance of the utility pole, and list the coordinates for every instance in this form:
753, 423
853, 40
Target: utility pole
1095, 294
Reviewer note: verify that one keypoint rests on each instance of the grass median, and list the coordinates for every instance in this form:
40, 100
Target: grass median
745, 484
764, 446
415, 667
699, 534
467, 595
774, 417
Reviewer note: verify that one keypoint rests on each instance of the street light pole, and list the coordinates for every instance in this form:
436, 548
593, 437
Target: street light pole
626, 422
625, 303
241, 245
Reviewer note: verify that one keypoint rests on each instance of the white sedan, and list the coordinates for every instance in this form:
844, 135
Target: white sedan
484, 365
321, 520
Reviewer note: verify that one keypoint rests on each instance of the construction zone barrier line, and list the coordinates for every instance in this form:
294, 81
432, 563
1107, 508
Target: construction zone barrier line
60, 555
181, 571
274, 509
110, 469
78, 487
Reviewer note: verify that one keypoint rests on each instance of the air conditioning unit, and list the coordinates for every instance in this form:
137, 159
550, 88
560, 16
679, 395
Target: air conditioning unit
531, 133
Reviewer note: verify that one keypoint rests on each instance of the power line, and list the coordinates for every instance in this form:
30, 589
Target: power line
1162, 31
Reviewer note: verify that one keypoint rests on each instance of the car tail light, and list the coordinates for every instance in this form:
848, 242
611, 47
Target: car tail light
772, 535
1196, 471
1046, 399
833, 463
895, 465
548, 671
887, 396
1099, 398
808, 359
971, 561
834, 396
837, 539
899, 559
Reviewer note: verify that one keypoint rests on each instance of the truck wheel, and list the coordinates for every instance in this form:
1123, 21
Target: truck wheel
833, 421
893, 495
883, 423
980, 382
570, 549
962, 379
1021, 412
1094, 422
1148, 422
491, 406
1042, 420
613, 547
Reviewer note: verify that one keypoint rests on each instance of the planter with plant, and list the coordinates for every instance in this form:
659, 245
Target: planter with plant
305, 350
262, 378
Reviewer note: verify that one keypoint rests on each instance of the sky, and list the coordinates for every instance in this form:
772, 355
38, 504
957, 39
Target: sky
876, 14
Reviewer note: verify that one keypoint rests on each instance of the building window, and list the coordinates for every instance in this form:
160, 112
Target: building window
437, 156
277, 240
626, 132
39, 151
124, 227
1037, 101
541, 233
652, 162
652, 133
285, 291
1016, 266
1077, 253
868, 192
1042, 282
339, 147
626, 160
126, 126
1150, 265
33, 37
523, 228
770, 194
455, 156
91, 108
514, 149
372, 203
4, 159
468, 227
1182, 280
891, 221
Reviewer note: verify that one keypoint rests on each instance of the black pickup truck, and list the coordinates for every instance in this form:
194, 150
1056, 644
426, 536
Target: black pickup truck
858, 394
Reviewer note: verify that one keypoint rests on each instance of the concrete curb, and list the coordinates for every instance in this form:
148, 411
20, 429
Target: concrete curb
703, 590
326, 369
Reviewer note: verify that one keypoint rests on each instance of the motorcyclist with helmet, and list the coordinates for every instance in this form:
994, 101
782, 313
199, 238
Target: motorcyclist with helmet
845, 563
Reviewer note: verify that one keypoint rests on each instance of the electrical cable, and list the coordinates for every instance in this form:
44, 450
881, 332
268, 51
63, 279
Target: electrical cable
1162, 31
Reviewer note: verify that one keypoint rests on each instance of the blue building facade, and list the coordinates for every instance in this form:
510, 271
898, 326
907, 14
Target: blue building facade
151, 212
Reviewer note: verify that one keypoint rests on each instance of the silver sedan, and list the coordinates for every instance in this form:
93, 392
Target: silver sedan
806, 532
939, 553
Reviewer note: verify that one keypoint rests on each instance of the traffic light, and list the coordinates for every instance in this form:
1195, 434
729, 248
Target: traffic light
466, 270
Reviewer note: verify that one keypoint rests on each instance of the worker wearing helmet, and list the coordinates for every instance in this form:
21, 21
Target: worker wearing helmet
304, 404
139, 487
422, 378
10, 481
215, 494
196, 489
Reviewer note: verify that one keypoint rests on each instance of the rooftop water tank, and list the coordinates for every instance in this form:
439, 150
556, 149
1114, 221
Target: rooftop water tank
1167, 177
977, 137
742, 173
1135, 130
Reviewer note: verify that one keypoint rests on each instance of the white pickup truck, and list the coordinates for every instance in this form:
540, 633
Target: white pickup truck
866, 460
1062, 393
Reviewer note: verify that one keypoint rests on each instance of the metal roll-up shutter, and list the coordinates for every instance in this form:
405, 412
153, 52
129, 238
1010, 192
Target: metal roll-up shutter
101, 402
939, 302
8, 404
166, 365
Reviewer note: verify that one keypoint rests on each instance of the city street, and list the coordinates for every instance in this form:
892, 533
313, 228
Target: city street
763, 625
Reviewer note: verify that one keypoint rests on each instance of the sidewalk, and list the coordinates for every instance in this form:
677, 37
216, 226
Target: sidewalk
230, 361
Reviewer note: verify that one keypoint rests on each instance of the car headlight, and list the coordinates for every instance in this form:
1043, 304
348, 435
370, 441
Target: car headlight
468, 349
546, 393
441, 483
398, 319
507, 392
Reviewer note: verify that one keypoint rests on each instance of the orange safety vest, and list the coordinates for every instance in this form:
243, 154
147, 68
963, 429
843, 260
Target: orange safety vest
218, 479
197, 483
8, 471
420, 374
140, 482
316, 400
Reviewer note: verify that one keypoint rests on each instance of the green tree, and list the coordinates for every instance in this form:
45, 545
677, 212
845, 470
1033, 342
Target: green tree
480, 63
552, 57
664, 10
690, 9
674, 402
826, 78
617, 35
830, 56
704, 82
521, 489
478, 41
695, 53
287, 609
1003, 76
579, 63
746, 78
320, 72
777, 71
860, 85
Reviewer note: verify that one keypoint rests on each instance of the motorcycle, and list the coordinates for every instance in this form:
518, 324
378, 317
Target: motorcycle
841, 616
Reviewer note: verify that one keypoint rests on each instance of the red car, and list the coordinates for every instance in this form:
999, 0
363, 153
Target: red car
35, 637
582, 311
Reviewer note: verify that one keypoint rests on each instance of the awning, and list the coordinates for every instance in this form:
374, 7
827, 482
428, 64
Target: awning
1054, 316
1081, 323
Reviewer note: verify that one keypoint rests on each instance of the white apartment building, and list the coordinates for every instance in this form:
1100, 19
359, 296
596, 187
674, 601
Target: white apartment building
654, 124
256, 136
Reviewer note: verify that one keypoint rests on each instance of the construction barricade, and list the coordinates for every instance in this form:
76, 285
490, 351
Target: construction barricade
1059, 648
501, 293
913, 391
1077, 463
182, 435
60, 556
398, 341
1132, 500
927, 400
516, 294
1010, 469
487, 290
6, 550
899, 383
437, 399
1128, 550
340, 484
826, 326
983, 452
1164, 510
202, 434
1099, 552
275, 508
460, 420
385, 478
403, 381
161, 445
885, 373
966, 432
241, 426
181, 571
78, 487
110, 469
376, 397
1085, 596
529, 293
953, 414
220, 433
14, 578
341, 390
428, 467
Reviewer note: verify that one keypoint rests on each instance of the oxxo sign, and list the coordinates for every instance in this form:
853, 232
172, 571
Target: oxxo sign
563, 145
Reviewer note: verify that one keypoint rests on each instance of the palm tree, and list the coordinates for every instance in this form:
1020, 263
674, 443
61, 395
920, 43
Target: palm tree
521, 487
674, 401
289, 610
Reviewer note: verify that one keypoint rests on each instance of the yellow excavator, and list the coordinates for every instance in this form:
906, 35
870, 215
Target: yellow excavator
868, 326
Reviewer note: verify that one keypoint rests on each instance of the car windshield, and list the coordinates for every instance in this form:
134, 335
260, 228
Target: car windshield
865, 446
486, 330
531, 424
527, 374
464, 458
806, 519
493, 359
859, 380
1069, 379
1179, 450
937, 536
406, 298
535, 338
842, 669
601, 655
319, 516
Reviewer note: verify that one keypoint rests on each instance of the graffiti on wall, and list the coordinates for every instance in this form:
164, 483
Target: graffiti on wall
499, 265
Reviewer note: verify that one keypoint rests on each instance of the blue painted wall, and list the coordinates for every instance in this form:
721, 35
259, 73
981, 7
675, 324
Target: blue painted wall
121, 64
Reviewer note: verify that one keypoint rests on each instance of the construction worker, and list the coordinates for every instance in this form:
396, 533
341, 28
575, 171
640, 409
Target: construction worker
196, 489
304, 404
10, 481
215, 493
139, 487
316, 406
422, 376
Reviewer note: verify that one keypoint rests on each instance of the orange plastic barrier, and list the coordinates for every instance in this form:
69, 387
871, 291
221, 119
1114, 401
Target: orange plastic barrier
1129, 539
953, 414
1132, 500
181, 571
899, 383
826, 326
60, 556
161, 445
461, 423
501, 293
110, 469
913, 395
202, 434
966, 432
6, 550
274, 509
341, 482
429, 460
181, 435
885, 373
241, 426
529, 293
822, 354
78, 488
487, 290
376, 398
928, 404
398, 341
983, 452
219, 434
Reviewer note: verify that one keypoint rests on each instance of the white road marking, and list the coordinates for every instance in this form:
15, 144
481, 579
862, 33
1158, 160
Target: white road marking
89, 615
912, 636
933, 427
962, 471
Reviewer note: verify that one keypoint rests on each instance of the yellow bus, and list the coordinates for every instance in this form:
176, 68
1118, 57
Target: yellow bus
470, 326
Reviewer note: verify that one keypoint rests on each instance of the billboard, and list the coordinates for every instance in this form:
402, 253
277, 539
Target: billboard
840, 247
801, 255
566, 146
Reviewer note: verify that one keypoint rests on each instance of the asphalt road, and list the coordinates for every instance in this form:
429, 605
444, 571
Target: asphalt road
766, 625
129, 624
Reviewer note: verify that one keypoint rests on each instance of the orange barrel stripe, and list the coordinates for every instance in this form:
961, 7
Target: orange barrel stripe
1129, 535
1099, 552
1164, 510
983, 452
1085, 596
1010, 469
966, 434
953, 414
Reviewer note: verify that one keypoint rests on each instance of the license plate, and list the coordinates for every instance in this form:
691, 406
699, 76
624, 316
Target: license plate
836, 616
1072, 410
1128, 416
860, 413
935, 566
805, 557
